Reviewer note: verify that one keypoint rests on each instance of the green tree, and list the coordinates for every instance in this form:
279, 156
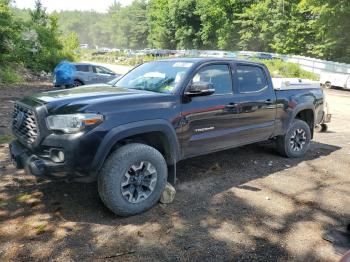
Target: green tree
133, 24
9, 32
161, 24
332, 28
219, 27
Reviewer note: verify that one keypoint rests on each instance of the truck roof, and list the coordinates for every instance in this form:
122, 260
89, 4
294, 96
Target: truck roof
208, 59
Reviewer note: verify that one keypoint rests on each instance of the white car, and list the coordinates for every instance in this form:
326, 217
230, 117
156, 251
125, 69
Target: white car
335, 79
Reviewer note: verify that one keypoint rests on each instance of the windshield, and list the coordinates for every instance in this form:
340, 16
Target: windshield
114, 81
160, 76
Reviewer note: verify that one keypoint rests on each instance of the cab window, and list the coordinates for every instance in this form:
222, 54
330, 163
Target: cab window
218, 75
250, 79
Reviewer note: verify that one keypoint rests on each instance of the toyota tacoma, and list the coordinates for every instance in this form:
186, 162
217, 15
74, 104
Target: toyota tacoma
130, 136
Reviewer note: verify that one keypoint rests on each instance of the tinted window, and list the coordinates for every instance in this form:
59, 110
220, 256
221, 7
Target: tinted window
82, 68
250, 79
218, 75
102, 70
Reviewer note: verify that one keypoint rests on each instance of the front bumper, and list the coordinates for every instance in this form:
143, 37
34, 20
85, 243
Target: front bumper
327, 118
37, 165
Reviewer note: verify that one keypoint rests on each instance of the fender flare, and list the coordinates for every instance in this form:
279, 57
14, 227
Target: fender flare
294, 112
304, 106
135, 128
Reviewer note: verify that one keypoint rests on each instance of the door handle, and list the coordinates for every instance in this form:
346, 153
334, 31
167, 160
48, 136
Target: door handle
268, 101
231, 105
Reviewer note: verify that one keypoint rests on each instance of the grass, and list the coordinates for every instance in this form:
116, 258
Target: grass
6, 138
9, 76
40, 229
24, 197
279, 68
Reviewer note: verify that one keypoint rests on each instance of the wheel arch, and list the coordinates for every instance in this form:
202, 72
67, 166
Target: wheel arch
79, 79
157, 133
307, 114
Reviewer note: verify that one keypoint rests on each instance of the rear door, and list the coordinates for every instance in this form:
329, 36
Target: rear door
209, 122
257, 102
84, 73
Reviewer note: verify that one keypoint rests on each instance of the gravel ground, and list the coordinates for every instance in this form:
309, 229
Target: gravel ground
245, 204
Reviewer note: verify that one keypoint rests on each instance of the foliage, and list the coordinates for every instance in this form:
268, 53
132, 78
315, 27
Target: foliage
5, 139
121, 26
279, 68
31, 39
9, 32
331, 25
9, 76
318, 28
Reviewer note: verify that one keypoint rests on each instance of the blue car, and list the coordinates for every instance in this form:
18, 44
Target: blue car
76, 74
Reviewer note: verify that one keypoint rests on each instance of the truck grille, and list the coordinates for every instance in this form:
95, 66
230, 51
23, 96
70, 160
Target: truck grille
24, 124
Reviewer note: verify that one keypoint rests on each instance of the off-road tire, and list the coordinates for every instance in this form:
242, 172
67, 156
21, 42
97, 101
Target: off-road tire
113, 170
284, 143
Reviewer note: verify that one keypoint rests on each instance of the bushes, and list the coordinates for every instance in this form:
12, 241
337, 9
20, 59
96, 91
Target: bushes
35, 43
9, 76
279, 68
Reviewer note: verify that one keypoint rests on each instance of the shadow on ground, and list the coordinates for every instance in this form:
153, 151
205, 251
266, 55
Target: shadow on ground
206, 222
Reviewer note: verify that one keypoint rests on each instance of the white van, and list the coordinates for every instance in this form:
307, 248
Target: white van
335, 79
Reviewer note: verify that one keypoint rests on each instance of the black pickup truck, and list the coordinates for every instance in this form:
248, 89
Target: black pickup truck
130, 136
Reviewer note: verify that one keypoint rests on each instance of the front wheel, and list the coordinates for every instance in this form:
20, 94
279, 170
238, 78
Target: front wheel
132, 179
296, 141
77, 83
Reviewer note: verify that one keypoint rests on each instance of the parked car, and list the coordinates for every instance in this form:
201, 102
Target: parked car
130, 137
110, 83
263, 56
86, 73
266, 56
218, 54
329, 80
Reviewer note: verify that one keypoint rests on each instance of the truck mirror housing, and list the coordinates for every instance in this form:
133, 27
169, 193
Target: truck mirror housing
200, 89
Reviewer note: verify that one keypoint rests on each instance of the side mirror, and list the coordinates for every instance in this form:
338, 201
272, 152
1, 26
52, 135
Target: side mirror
200, 89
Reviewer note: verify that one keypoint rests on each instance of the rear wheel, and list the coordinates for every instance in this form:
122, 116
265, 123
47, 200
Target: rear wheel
132, 179
328, 85
296, 141
321, 128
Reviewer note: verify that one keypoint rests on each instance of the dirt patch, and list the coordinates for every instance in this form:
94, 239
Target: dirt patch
245, 204
9, 94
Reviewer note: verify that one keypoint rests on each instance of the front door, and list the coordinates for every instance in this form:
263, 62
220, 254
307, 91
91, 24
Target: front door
209, 122
102, 75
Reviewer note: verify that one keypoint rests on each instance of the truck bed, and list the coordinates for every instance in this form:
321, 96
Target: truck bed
294, 83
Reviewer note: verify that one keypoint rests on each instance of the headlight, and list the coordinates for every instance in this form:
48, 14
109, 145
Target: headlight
72, 123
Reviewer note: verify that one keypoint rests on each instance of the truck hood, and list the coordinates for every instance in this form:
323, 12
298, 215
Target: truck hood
86, 93
91, 98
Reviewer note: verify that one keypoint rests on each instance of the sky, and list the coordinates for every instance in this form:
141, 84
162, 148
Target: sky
58, 5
